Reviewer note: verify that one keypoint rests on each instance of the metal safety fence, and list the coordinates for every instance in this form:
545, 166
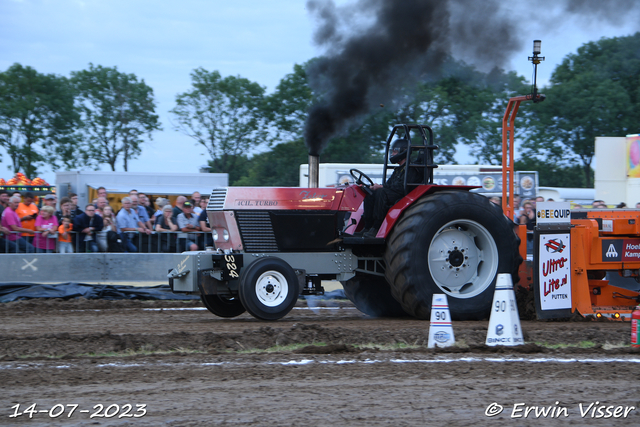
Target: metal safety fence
110, 242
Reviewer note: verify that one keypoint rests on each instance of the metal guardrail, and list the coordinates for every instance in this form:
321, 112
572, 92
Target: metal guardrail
164, 242
98, 268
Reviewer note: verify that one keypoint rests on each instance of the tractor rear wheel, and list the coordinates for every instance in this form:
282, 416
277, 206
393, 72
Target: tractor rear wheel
372, 295
453, 243
223, 306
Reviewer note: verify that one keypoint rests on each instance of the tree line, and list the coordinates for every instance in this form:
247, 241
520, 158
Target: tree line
103, 116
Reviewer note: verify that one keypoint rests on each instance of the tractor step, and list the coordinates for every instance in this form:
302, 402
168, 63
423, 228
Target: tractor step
363, 241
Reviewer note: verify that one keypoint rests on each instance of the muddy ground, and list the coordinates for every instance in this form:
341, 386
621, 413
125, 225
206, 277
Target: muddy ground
325, 365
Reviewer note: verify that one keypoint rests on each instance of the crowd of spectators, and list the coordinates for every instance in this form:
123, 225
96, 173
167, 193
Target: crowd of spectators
141, 225
138, 226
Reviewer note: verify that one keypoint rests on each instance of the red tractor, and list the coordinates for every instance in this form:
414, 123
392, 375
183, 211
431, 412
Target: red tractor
273, 244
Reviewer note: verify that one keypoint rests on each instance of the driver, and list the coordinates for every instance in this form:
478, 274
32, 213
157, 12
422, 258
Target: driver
384, 196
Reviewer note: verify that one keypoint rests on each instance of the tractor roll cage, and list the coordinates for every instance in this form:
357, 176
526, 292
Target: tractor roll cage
424, 159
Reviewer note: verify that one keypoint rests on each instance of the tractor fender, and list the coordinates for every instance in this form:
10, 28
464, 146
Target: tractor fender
407, 201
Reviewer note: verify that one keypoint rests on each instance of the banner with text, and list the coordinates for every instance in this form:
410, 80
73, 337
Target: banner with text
554, 260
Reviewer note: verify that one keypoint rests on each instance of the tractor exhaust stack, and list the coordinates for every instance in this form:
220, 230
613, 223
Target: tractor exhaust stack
314, 170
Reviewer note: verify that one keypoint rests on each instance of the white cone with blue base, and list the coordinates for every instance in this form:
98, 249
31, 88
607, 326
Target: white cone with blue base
440, 329
504, 324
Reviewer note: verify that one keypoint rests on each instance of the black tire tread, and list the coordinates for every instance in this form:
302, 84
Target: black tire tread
247, 294
221, 308
405, 286
372, 296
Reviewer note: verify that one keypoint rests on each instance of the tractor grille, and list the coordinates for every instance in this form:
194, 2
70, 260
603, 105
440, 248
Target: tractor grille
257, 231
217, 198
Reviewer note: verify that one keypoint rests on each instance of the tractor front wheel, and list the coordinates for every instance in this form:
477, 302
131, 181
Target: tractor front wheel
269, 288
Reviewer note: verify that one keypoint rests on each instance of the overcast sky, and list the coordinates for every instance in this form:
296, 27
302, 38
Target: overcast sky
163, 41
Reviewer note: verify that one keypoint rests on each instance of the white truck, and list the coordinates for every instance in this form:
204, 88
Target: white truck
488, 177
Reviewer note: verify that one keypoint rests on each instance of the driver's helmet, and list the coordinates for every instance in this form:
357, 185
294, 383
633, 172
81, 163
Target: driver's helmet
398, 150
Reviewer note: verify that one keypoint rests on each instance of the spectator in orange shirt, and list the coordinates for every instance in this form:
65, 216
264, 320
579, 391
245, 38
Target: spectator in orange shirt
28, 211
64, 236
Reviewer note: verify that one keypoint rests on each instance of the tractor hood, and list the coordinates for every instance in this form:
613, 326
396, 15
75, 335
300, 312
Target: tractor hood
265, 198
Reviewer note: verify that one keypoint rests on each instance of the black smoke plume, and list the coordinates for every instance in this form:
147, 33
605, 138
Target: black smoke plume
375, 48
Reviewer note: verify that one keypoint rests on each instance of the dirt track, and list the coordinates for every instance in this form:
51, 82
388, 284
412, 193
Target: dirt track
361, 371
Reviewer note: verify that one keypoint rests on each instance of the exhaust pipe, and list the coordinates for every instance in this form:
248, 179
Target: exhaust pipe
314, 170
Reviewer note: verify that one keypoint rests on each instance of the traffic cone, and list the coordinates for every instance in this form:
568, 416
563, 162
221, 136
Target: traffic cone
504, 324
440, 329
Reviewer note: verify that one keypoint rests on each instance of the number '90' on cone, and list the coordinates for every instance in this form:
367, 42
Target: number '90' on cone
440, 329
504, 324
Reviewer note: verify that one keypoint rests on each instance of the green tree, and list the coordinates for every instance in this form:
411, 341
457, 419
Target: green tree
241, 165
362, 144
554, 175
287, 107
278, 167
224, 115
464, 106
118, 112
37, 120
592, 93
486, 142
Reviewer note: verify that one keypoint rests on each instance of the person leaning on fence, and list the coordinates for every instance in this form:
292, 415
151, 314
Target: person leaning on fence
64, 236
88, 224
188, 222
203, 218
204, 201
28, 211
146, 203
177, 210
46, 231
128, 223
11, 221
165, 224
108, 228
6, 246
141, 211
161, 202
